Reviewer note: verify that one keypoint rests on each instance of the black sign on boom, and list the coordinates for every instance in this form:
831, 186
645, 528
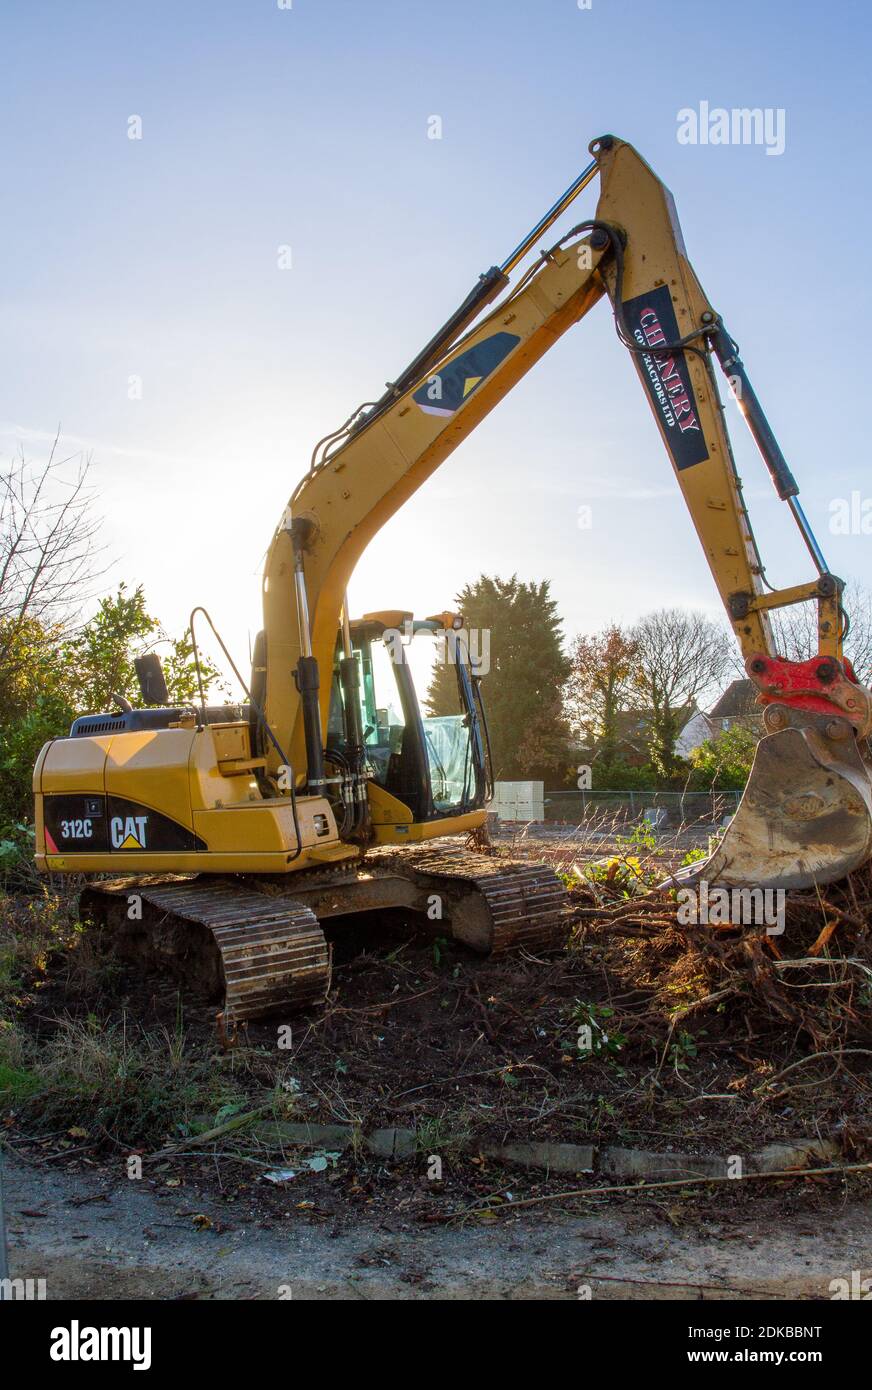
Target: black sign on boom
651, 320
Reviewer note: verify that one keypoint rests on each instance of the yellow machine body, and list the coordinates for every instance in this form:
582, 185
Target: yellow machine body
185, 801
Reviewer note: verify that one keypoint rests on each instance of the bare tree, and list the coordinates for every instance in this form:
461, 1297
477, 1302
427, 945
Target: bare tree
795, 630
48, 553
680, 656
48, 531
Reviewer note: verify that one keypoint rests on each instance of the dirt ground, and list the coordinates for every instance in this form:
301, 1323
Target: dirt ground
419, 1033
91, 1236
701, 1043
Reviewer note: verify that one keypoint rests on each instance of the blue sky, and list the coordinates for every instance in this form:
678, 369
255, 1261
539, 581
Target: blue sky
307, 127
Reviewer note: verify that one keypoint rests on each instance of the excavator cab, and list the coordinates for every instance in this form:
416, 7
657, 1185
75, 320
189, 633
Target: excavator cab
420, 719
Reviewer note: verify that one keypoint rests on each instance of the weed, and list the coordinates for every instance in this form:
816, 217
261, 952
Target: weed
623, 874
643, 836
694, 855
683, 1050
438, 948
17, 1079
446, 1135
122, 1081
593, 1039
604, 1112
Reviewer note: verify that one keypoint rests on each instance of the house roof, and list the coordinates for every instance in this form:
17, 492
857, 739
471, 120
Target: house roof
738, 699
633, 727
632, 721
635, 724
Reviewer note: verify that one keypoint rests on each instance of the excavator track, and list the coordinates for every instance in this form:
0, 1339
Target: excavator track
259, 940
268, 953
496, 906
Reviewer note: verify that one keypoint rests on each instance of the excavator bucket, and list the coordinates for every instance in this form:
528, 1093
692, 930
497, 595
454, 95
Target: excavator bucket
805, 816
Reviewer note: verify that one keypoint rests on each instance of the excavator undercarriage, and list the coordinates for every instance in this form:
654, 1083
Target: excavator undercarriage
258, 943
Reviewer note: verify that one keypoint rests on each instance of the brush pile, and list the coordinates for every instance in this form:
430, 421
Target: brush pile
810, 984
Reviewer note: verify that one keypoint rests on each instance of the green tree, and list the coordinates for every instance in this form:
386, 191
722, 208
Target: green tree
34, 707
54, 665
600, 683
101, 655
180, 672
519, 628
47, 677
725, 760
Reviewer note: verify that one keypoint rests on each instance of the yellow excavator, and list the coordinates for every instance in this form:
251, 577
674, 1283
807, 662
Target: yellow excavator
331, 791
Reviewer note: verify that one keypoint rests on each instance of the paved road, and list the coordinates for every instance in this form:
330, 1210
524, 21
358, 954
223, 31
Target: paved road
89, 1236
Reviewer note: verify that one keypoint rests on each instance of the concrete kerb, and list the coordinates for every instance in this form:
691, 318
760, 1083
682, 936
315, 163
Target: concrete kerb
608, 1161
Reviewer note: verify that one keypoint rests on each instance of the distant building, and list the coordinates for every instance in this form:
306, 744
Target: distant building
737, 705
633, 736
698, 728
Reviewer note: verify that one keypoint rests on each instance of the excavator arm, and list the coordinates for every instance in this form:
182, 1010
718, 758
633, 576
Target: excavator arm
633, 252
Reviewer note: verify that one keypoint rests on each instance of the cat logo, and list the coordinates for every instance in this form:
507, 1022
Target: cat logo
128, 832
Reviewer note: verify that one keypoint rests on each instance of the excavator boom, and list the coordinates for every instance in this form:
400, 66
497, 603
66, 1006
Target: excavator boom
633, 252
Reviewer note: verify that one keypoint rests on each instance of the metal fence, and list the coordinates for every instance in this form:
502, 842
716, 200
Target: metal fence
682, 808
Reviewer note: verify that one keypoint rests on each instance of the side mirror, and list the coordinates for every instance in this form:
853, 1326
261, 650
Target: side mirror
152, 684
